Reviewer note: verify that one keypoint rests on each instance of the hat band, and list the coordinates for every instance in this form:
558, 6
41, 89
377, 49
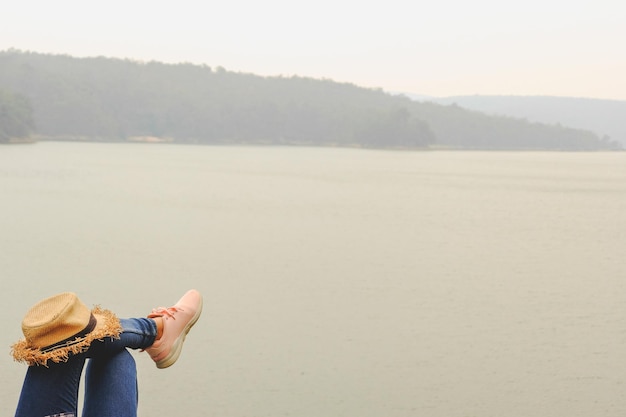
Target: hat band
77, 338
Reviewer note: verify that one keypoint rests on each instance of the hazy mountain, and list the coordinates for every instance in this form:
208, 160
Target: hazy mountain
603, 117
109, 99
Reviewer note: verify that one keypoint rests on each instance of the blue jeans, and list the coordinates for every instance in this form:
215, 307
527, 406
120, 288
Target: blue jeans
110, 378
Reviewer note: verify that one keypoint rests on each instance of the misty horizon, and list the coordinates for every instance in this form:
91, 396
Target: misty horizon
449, 48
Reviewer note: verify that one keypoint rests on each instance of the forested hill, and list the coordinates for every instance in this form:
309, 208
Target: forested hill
118, 100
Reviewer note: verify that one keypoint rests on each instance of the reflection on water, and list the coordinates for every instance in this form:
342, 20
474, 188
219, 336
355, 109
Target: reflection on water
337, 282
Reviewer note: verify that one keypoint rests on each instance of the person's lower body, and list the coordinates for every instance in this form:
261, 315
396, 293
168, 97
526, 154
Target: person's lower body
110, 378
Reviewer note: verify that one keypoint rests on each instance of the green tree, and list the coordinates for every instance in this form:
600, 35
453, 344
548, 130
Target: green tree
16, 117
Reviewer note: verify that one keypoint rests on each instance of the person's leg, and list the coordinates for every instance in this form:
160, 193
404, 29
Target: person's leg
137, 333
54, 389
51, 390
111, 386
162, 334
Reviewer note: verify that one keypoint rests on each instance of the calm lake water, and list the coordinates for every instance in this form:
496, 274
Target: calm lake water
337, 282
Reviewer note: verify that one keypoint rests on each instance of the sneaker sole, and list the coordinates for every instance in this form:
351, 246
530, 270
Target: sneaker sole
177, 346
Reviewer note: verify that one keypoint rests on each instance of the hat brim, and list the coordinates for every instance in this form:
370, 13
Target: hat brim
107, 325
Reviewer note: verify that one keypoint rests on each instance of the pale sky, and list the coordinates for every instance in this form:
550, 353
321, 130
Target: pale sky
439, 48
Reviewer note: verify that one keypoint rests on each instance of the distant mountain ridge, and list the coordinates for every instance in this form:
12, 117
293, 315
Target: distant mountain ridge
110, 99
603, 117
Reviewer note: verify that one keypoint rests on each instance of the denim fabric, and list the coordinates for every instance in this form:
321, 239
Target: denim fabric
111, 386
110, 378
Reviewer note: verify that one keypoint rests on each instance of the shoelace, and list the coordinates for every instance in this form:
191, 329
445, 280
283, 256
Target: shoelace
162, 311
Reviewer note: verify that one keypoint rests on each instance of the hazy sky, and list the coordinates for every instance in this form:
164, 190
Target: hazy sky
439, 48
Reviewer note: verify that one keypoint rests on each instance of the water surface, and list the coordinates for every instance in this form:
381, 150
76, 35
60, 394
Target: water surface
338, 282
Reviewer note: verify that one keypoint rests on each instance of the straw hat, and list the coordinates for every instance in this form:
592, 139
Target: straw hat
59, 326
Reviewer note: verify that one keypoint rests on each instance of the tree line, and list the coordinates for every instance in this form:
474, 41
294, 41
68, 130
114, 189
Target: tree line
116, 100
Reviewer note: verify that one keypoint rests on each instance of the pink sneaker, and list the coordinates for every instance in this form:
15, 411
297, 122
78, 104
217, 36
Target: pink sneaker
177, 321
